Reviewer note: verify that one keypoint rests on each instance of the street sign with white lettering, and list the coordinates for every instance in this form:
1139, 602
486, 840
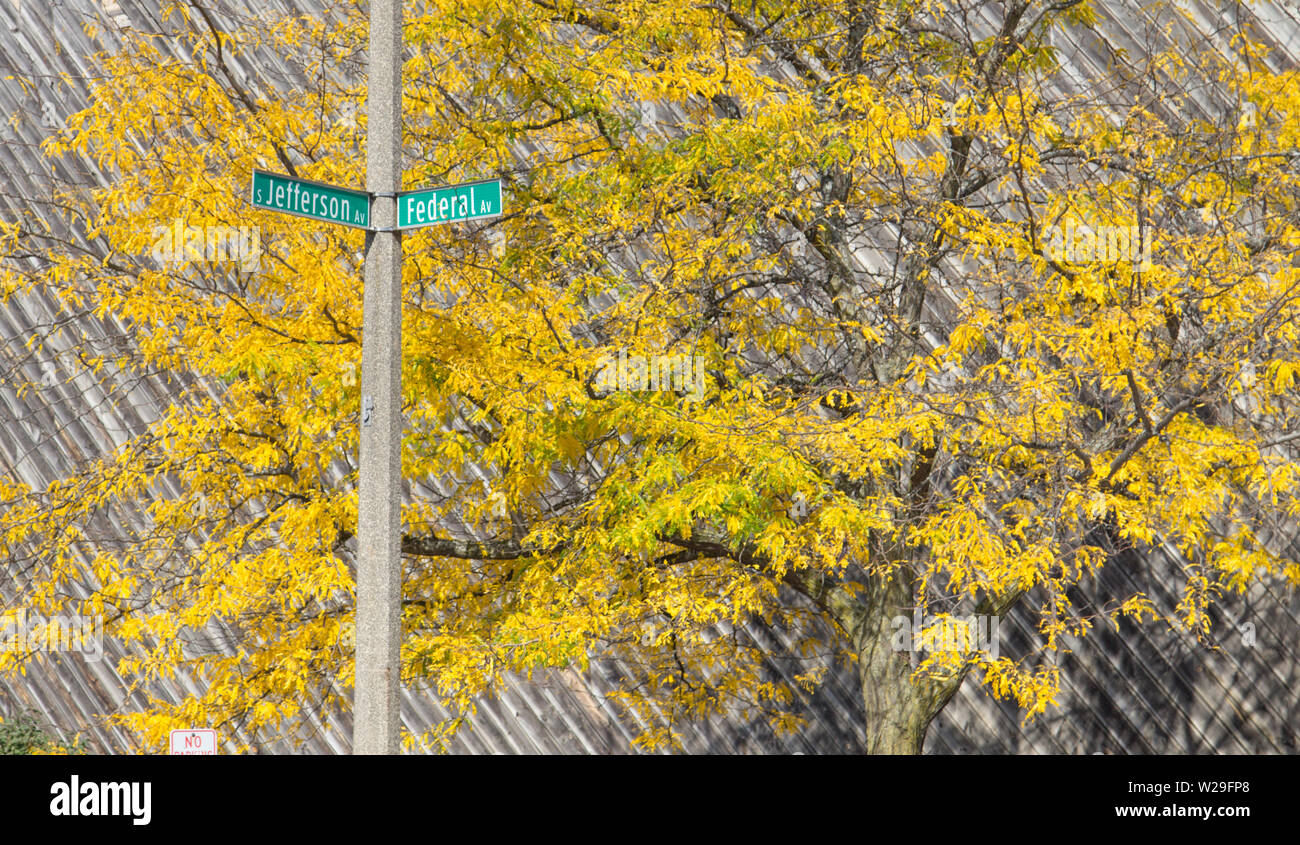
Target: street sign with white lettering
448, 204
306, 198
193, 742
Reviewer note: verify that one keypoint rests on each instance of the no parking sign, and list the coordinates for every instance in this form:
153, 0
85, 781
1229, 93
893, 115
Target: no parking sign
193, 741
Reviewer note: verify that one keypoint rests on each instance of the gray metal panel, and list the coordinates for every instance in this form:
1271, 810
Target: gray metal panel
1139, 690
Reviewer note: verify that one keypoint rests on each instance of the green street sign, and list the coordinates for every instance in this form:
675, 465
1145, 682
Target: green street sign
306, 198
448, 204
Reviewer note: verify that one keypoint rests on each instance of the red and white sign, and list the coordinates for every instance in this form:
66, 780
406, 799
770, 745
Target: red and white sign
191, 741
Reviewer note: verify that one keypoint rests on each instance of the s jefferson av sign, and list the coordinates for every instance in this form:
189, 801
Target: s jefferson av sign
306, 198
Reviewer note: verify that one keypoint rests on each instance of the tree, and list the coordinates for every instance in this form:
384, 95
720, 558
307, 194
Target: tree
24, 733
821, 315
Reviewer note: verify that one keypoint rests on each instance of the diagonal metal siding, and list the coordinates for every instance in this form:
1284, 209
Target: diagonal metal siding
1141, 690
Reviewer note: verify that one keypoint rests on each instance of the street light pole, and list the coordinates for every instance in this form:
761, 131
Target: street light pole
376, 703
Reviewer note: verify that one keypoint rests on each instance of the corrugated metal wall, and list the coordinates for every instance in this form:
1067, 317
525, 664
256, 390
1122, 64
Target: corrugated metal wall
1139, 690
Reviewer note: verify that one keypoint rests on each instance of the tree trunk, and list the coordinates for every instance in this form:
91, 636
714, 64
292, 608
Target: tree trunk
898, 710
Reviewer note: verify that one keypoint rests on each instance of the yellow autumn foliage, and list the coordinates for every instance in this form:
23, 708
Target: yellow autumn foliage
846, 372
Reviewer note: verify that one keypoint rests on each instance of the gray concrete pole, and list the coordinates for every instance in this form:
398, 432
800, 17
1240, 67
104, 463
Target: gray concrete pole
376, 703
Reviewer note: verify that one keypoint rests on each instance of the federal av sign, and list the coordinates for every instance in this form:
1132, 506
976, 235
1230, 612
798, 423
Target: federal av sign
448, 204
306, 198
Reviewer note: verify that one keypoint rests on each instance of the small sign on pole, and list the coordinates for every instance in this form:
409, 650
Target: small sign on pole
193, 742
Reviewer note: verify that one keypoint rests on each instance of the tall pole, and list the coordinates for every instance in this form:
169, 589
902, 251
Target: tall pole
376, 703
